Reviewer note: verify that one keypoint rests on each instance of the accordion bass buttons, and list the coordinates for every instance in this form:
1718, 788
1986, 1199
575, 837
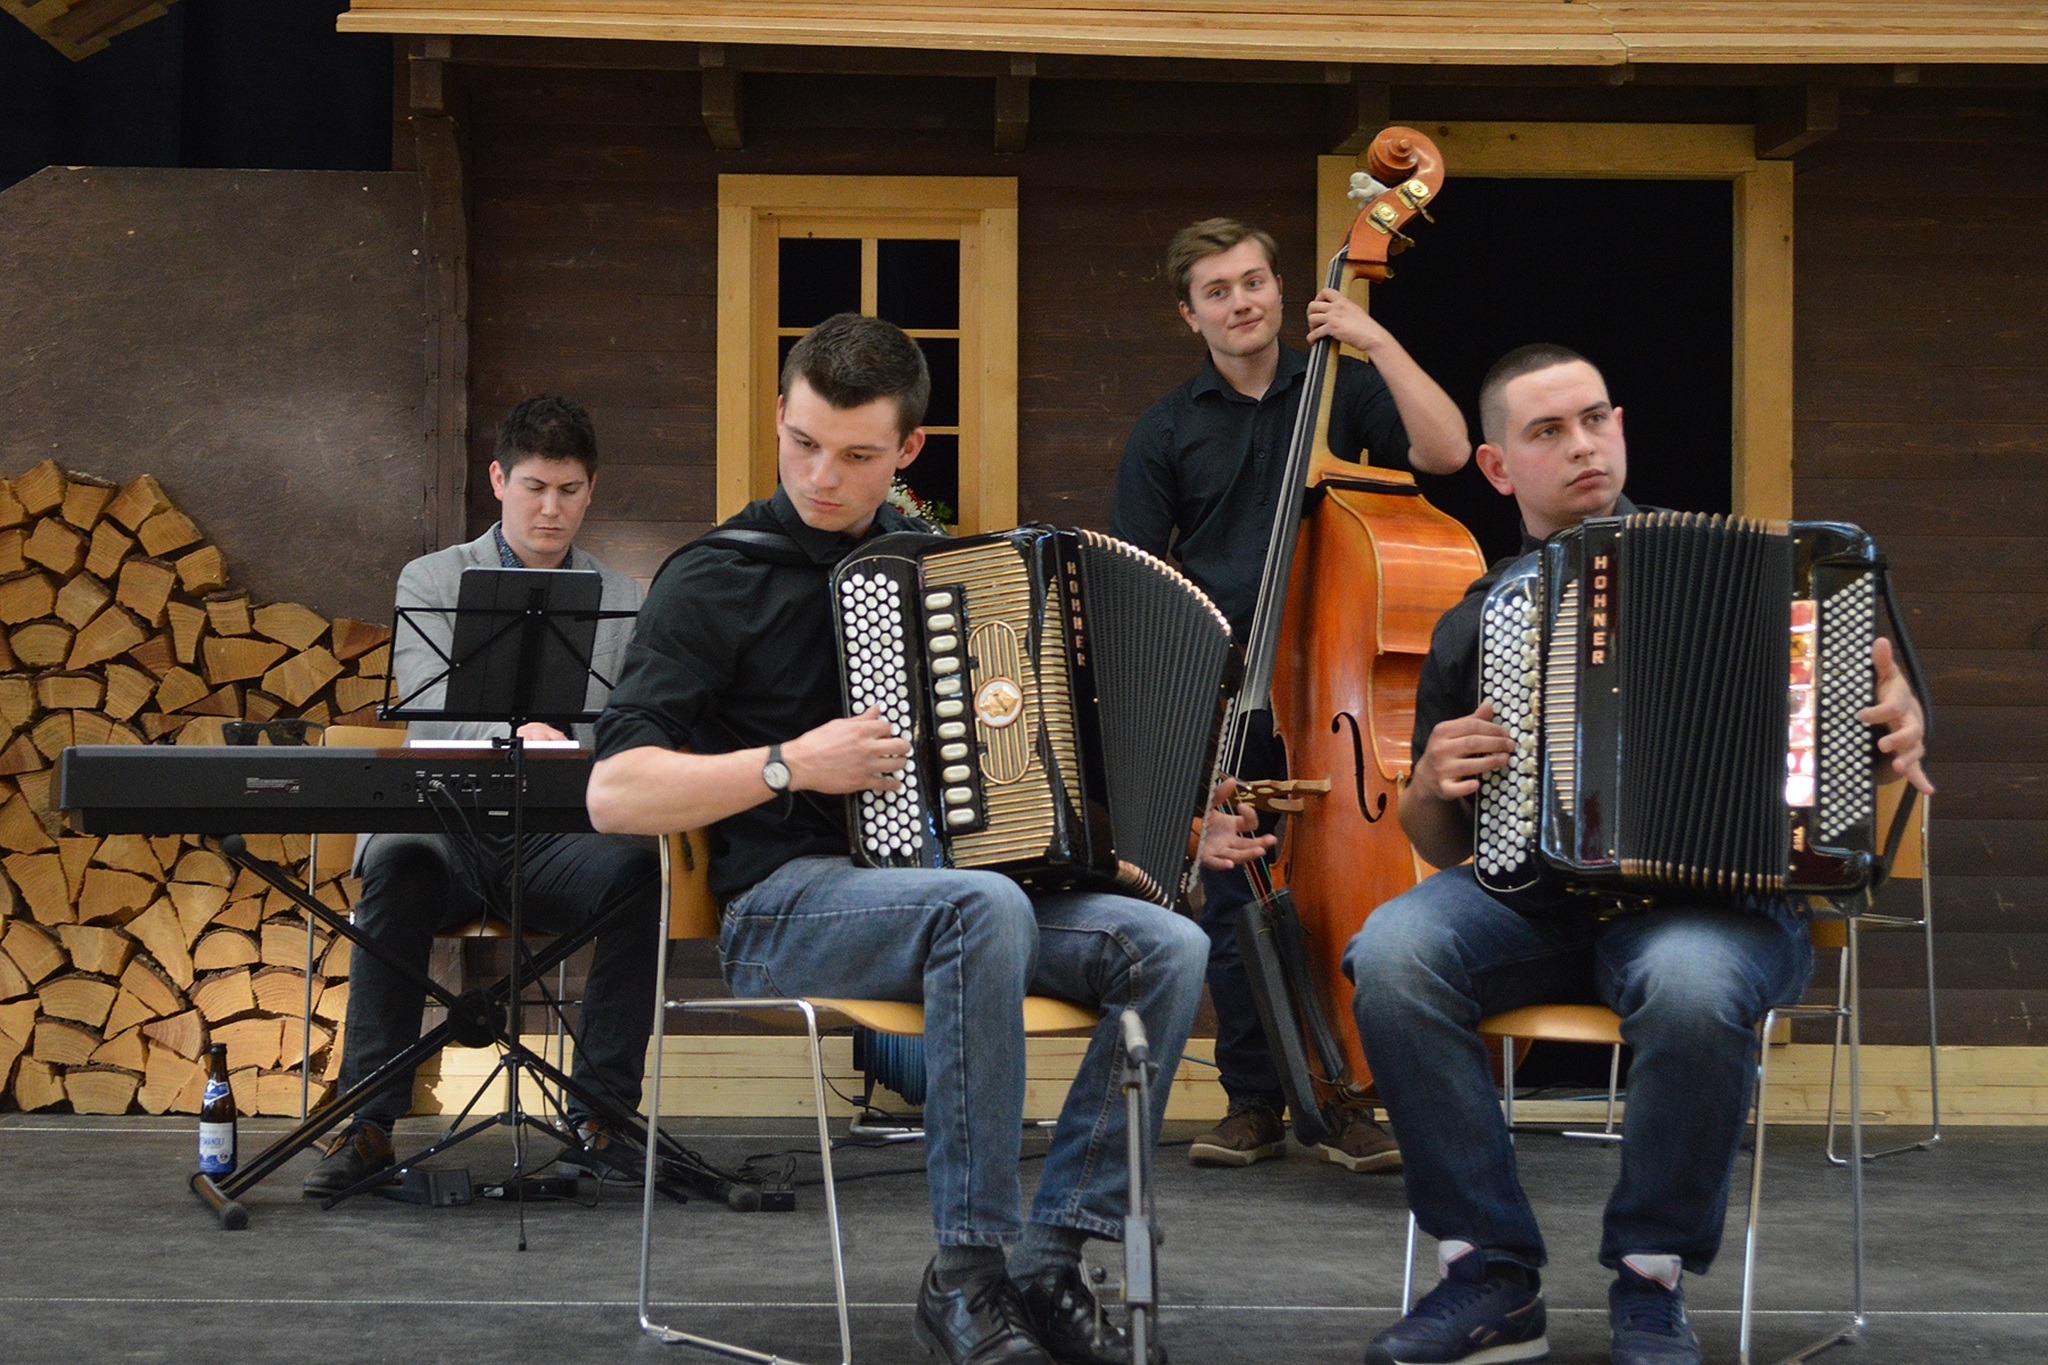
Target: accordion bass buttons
951, 729
944, 644
948, 687
958, 796
943, 621
957, 773
954, 753
946, 667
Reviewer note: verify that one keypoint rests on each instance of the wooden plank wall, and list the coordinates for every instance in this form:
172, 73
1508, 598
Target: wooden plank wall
595, 257
1921, 299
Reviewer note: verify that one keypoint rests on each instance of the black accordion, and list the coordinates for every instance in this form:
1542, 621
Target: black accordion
1063, 694
1682, 690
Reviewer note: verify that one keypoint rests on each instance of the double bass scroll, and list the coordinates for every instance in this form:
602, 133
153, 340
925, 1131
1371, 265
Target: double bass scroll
1350, 594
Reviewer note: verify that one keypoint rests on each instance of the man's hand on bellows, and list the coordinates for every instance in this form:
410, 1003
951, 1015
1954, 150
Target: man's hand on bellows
1460, 750
853, 754
1230, 836
1898, 711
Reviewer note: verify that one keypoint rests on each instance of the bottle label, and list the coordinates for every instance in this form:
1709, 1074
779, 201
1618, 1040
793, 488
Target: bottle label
216, 1148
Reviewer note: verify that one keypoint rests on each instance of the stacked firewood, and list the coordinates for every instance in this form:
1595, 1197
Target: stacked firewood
123, 957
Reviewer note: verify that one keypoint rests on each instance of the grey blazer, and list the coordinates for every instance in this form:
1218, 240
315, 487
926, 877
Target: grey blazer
433, 581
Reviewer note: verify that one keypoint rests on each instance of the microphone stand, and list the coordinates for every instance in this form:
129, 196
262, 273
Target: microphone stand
1141, 1288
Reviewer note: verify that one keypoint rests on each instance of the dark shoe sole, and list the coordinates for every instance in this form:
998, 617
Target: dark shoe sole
1519, 1351
324, 1190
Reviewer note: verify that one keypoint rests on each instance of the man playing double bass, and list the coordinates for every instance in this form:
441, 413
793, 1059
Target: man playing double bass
1197, 483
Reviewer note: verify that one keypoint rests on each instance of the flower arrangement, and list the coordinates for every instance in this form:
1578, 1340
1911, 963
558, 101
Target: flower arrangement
905, 500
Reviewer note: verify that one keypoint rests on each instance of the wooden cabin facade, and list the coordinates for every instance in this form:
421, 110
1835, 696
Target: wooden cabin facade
1886, 300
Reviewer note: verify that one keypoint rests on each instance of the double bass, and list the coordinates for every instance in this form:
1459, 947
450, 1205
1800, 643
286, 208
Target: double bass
1349, 595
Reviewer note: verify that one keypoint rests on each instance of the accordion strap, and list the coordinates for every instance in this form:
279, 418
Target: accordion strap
768, 547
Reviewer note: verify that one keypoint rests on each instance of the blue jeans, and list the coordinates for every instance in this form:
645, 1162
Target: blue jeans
971, 946
1690, 985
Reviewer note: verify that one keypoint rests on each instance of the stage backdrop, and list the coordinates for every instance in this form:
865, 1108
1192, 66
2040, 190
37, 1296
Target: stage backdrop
254, 339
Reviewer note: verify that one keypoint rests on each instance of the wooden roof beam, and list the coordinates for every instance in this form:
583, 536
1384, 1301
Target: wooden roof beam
720, 98
755, 58
1013, 104
1791, 118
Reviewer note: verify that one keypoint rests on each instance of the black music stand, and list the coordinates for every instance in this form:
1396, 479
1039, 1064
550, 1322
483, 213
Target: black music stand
520, 651
505, 650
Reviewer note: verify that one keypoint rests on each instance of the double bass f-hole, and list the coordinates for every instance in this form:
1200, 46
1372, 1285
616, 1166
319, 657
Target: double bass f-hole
1379, 807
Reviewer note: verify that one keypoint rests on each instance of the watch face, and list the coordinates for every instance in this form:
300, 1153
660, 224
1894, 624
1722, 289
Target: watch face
776, 775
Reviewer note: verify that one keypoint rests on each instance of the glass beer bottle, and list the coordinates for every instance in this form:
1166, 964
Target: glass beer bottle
217, 1116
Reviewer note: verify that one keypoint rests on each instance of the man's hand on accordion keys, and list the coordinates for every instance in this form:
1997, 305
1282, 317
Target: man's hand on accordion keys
851, 754
1230, 836
1459, 752
1905, 724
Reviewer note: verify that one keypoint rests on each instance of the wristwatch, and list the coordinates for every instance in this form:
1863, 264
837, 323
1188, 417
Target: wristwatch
775, 772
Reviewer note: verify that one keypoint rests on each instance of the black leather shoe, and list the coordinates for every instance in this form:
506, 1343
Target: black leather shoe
979, 1322
1069, 1324
361, 1149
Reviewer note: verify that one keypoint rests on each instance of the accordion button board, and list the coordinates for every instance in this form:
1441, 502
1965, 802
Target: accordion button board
1063, 696
1682, 690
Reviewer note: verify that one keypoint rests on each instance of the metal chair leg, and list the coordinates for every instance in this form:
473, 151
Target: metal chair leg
1925, 923
675, 1336
1846, 1014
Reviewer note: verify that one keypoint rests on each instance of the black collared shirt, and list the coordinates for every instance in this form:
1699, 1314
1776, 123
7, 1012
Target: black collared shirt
1203, 466
733, 652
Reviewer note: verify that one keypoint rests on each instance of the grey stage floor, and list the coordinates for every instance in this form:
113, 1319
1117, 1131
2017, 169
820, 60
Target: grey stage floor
107, 1258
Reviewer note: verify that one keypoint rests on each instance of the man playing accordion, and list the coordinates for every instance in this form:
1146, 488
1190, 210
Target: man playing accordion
1690, 982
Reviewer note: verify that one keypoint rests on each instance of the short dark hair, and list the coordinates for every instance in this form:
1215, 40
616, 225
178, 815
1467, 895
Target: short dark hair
1540, 355
1211, 237
547, 429
850, 360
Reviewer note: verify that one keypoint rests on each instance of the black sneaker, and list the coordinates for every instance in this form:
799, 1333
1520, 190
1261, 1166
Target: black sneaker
1250, 1132
602, 1153
1479, 1314
976, 1319
1068, 1321
359, 1150
1646, 1306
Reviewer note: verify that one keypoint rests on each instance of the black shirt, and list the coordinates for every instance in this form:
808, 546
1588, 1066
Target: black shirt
1206, 461
734, 652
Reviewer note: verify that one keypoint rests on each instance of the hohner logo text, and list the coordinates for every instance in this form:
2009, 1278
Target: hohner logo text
1597, 612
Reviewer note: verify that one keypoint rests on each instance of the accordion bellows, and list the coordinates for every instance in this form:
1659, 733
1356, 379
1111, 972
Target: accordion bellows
1682, 690
1063, 693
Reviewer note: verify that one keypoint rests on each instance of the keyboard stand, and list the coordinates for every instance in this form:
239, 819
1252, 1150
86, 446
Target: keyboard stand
477, 1019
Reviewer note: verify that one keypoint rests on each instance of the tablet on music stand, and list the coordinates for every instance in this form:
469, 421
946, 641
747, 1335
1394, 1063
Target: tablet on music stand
522, 644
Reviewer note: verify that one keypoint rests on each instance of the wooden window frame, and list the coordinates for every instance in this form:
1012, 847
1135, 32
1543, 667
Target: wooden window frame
1761, 407
981, 211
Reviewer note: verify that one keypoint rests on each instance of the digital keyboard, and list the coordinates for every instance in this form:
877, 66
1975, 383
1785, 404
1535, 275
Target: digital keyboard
204, 789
